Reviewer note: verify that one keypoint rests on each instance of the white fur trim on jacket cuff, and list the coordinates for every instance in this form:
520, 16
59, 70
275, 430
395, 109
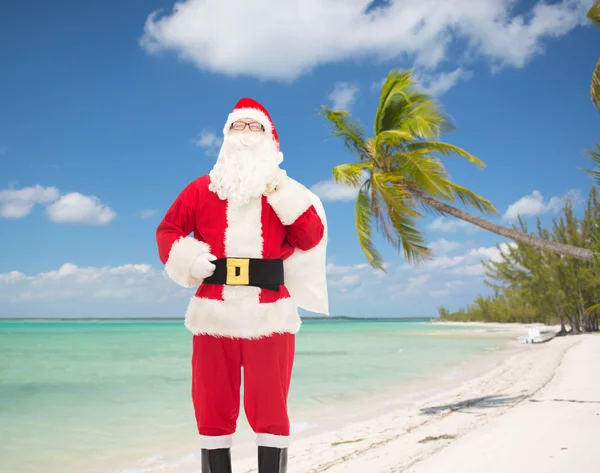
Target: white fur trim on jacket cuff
209, 442
270, 440
181, 257
290, 200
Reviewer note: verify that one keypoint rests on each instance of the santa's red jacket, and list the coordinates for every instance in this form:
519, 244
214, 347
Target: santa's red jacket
290, 224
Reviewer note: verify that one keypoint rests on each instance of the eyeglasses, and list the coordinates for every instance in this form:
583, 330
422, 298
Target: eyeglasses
239, 126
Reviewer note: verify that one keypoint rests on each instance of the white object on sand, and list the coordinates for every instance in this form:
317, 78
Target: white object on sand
537, 335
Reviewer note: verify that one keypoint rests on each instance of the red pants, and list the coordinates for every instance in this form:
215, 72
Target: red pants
216, 382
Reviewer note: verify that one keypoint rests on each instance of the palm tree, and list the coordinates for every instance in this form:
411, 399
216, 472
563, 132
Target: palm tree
398, 175
594, 15
594, 156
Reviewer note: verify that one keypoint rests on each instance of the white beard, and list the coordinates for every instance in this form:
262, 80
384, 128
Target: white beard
246, 163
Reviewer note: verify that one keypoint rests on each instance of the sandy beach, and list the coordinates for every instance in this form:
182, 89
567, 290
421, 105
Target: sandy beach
535, 409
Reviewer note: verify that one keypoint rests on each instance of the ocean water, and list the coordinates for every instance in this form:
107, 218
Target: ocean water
114, 396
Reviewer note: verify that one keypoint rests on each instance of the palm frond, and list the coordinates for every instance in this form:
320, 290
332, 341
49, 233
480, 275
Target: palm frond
594, 155
595, 86
445, 149
424, 172
596, 242
594, 13
364, 216
425, 119
394, 85
469, 198
350, 131
379, 208
401, 215
351, 174
392, 138
403, 107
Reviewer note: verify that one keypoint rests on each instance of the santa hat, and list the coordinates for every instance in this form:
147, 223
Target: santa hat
249, 108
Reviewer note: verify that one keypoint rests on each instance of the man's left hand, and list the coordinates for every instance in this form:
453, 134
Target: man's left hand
272, 185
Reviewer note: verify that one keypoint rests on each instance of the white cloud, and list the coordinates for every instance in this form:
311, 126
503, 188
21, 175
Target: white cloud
77, 208
296, 37
534, 204
72, 207
470, 264
443, 246
345, 281
12, 276
73, 282
333, 269
438, 83
412, 286
489, 253
467, 264
436, 265
18, 203
343, 95
452, 225
3, 149
350, 280
147, 213
332, 191
210, 142
447, 288
407, 289
434, 82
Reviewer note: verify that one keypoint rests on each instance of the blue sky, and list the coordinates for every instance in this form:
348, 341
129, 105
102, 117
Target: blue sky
105, 117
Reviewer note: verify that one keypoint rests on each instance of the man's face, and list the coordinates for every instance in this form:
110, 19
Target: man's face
248, 160
246, 125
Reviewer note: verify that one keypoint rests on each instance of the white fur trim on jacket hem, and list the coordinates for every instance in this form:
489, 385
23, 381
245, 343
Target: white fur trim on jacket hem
241, 318
270, 440
253, 113
290, 200
209, 442
181, 258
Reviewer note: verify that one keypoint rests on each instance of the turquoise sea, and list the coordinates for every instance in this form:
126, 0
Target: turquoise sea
87, 396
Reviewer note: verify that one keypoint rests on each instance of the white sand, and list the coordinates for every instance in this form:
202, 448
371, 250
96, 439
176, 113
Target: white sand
538, 410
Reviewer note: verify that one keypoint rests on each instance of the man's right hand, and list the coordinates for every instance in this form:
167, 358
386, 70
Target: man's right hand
202, 267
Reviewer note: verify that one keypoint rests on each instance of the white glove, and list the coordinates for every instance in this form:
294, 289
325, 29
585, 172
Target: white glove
274, 182
202, 267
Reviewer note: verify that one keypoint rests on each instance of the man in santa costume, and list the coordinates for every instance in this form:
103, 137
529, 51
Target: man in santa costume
257, 253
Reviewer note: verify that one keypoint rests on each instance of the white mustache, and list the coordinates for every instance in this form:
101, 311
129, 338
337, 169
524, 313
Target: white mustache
245, 140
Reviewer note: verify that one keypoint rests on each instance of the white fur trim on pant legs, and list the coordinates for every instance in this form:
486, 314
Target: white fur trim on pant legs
209, 442
181, 257
270, 440
290, 200
253, 113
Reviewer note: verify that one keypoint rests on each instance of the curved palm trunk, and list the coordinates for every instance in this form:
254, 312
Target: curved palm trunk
532, 240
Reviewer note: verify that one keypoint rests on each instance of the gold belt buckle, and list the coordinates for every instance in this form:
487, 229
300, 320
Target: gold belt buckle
238, 272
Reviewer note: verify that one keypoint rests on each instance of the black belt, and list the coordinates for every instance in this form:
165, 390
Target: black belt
264, 273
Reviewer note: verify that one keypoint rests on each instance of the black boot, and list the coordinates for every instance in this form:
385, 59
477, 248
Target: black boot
216, 461
272, 460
